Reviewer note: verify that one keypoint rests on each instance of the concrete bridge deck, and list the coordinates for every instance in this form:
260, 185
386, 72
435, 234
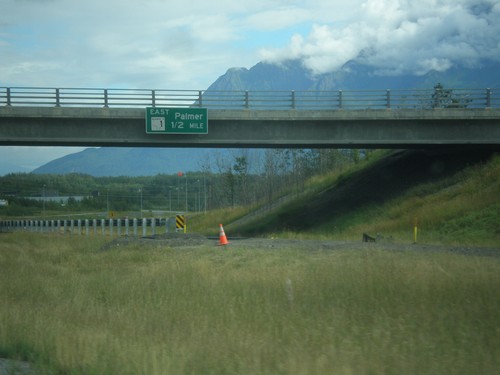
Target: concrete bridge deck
255, 128
395, 122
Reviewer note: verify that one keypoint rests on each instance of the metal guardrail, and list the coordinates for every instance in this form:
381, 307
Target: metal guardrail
112, 227
299, 100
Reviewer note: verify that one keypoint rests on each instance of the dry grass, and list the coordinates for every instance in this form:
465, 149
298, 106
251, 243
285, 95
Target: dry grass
73, 309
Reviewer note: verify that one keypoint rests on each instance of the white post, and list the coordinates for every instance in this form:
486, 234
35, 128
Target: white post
144, 227
135, 227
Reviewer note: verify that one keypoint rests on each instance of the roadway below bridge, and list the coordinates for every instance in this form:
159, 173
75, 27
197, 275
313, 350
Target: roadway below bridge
377, 128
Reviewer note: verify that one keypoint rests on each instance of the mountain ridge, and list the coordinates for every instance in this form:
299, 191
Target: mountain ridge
288, 75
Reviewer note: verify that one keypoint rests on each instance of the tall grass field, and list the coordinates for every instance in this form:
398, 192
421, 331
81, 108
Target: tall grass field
68, 307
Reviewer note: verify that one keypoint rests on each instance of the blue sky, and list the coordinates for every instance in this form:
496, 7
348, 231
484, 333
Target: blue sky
179, 44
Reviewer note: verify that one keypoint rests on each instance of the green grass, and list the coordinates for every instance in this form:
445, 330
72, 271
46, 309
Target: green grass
208, 223
459, 207
463, 209
73, 309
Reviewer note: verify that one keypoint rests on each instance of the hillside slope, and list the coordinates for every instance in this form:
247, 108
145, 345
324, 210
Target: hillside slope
357, 202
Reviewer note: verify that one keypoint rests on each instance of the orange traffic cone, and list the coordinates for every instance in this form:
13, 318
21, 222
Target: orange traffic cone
222, 237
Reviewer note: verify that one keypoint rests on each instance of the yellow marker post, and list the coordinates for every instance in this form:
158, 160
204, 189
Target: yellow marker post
415, 231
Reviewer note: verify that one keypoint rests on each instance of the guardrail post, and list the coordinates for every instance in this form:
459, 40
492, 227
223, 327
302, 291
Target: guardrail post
293, 99
106, 99
200, 98
58, 98
134, 223
111, 227
9, 102
388, 99
340, 99
94, 224
246, 99
144, 227
119, 227
87, 227
153, 98
126, 226
103, 226
153, 226
488, 98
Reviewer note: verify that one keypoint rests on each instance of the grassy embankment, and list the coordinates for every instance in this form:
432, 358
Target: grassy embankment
72, 309
463, 209
450, 202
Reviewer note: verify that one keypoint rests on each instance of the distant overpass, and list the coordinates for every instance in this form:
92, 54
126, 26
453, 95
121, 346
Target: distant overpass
277, 119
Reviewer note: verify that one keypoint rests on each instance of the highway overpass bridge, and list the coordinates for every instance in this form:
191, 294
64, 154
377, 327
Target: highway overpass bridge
287, 119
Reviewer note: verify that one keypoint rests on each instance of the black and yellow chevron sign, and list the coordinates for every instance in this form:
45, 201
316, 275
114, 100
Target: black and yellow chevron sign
180, 222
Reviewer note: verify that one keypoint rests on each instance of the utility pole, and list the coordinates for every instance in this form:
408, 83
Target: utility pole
140, 191
185, 175
43, 201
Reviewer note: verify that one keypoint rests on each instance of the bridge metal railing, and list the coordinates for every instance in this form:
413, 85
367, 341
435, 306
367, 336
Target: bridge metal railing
275, 99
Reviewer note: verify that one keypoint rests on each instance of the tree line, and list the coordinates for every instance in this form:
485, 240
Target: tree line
220, 182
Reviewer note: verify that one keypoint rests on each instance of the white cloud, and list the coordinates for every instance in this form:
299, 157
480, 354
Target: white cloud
402, 36
279, 18
102, 43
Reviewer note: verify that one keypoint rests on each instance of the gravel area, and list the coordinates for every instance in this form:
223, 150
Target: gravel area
194, 240
316, 245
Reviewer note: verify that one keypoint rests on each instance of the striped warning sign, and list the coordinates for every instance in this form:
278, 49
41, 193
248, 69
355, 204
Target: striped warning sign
180, 222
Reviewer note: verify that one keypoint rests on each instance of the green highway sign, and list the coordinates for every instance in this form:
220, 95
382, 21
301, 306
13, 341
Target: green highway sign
176, 120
